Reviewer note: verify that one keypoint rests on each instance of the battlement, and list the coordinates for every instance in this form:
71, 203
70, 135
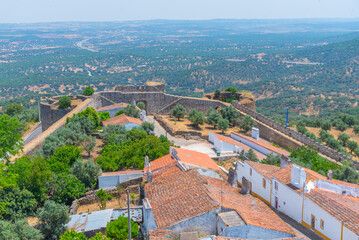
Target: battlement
149, 87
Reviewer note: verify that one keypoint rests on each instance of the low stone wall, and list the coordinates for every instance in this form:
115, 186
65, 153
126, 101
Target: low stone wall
132, 185
186, 134
267, 125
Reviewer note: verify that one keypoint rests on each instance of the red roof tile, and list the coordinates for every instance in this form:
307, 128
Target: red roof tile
229, 140
252, 210
284, 176
161, 162
122, 120
196, 158
177, 197
121, 172
161, 234
264, 145
265, 169
344, 208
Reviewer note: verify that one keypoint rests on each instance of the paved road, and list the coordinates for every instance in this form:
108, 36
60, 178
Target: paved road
34, 134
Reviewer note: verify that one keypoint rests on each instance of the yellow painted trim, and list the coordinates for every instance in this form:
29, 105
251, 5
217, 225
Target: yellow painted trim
264, 183
341, 236
256, 195
240, 184
270, 196
320, 224
315, 230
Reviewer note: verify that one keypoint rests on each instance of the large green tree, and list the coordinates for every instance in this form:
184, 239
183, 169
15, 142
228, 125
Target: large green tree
10, 137
230, 113
52, 219
33, 174
64, 157
213, 118
20, 203
87, 172
178, 111
18, 230
67, 188
246, 123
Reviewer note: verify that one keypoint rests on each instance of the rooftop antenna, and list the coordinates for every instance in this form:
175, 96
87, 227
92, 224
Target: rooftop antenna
287, 121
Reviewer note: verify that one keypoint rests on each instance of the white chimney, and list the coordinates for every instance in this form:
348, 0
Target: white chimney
330, 174
255, 133
298, 176
284, 161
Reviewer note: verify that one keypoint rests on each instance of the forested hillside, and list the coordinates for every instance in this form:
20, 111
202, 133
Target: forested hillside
311, 67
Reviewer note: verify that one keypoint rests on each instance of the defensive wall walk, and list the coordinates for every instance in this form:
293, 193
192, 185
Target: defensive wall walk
36, 143
162, 103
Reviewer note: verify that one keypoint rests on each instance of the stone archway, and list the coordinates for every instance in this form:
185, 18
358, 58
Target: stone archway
145, 102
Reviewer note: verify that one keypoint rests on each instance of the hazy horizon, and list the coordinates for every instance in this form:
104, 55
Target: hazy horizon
45, 11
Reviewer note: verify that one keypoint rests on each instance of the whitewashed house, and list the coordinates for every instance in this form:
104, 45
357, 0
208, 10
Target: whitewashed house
225, 144
328, 207
259, 176
260, 146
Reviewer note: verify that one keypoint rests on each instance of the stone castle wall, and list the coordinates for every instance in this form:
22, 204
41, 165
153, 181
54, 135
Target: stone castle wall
267, 132
161, 103
145, 88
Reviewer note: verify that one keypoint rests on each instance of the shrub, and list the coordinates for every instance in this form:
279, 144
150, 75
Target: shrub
64, 102
118, 229
103, 198
104, 116
88, 91
141, 105
231, 89
52, 219
131, 111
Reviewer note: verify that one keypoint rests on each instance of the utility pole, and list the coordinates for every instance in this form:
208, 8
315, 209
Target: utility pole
38, 110
287, 122
129, 215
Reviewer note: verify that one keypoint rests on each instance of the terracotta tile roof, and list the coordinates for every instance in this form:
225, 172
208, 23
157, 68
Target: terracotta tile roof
122, 120
161, 234
196, 158
113, 106
121, 172
229, 140
252, 210
233, 238
161, 162
177, 197
284, 176
265, 169
264, 145
344, 208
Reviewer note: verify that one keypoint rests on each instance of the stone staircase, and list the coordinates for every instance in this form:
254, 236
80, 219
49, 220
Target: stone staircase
172, 104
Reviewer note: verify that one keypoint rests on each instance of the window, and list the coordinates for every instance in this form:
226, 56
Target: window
275, 185
250, 171
264, 183
321, 224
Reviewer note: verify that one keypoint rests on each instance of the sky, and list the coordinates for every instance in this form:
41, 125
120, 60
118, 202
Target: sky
29, 11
